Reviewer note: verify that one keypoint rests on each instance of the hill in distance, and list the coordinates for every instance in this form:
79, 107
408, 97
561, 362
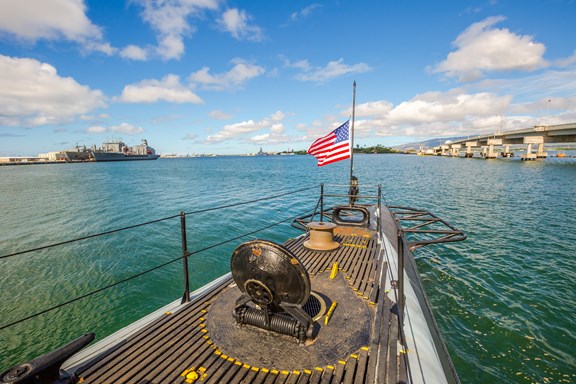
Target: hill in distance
426, 144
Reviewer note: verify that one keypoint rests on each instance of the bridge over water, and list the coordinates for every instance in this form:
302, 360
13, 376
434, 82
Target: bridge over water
537, 135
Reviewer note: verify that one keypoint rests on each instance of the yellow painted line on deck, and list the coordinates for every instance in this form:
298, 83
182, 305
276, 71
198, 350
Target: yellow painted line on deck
329, 314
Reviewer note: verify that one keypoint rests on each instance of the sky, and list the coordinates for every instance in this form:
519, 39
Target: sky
231, 77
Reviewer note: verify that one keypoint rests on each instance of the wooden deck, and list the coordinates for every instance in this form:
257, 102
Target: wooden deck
178, 347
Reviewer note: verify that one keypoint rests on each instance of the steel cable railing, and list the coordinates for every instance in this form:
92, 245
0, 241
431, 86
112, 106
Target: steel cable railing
158, 266
151, 222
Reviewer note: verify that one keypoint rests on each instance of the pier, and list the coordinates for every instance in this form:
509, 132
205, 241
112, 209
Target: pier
498, 144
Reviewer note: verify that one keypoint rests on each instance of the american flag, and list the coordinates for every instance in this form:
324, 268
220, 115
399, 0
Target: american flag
333, 147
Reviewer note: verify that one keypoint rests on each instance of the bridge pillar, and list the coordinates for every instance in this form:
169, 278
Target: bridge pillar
541, 154
456, 150
445, 150
491, 143
532, 140
469, 145
506, 152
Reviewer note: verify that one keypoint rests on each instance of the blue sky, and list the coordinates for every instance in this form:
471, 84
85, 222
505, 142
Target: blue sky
229, 77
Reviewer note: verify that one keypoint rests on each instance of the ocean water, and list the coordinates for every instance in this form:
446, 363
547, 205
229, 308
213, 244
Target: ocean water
504, 298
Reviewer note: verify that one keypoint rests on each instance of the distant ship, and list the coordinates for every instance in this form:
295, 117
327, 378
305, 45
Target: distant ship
112, 151
118, 151
78, 153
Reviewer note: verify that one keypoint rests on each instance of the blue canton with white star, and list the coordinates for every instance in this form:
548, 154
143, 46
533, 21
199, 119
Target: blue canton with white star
341, 133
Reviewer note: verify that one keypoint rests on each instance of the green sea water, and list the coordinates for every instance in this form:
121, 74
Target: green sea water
504, 299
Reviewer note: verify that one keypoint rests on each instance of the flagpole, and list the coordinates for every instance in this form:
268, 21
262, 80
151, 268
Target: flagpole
352, 135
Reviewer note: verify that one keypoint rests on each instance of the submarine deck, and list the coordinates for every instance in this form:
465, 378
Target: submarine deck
200, 342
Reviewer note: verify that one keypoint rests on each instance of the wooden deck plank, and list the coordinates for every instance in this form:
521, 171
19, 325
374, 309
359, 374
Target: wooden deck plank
362, 365
181, 350
261, 376
327, 375
339, 371
351, 364
220, 371
230, 373
240, 374
316, 375
282, 377
271, 378
154, 349
304, 377
194, 359
393, 353
293, 378
152, 330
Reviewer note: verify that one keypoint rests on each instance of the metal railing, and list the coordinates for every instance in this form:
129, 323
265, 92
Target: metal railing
325, 213
430, 227
185, 253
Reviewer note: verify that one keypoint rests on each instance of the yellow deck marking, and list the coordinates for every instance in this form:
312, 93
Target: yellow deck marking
329, 314
191, 377
334, 271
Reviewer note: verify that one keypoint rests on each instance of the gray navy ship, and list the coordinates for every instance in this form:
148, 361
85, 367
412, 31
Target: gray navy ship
112, 151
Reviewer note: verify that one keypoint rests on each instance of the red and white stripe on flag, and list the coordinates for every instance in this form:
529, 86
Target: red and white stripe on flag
333, 147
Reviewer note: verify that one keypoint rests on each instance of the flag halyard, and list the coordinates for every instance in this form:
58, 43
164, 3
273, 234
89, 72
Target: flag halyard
333, 147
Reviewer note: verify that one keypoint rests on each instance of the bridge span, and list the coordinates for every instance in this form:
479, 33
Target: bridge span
537, 135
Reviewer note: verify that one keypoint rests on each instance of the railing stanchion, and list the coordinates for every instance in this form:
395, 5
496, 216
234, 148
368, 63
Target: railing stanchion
401, 276
322, 202
379, 224
185, 254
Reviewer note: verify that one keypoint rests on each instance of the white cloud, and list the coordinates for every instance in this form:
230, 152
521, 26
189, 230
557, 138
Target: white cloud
171, 47
432, 114
219, 115
272, 138
170, 19
373, 108
236, 22
134, 52
32, 93
233, 131
303, 65
94, 117
123, 128
449, 106
150, 91
235, 78
32, 20
567, 61
304, 12
332, 70
482, 48
545, 85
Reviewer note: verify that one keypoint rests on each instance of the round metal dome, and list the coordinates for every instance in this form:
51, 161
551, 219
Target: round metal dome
270, 274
